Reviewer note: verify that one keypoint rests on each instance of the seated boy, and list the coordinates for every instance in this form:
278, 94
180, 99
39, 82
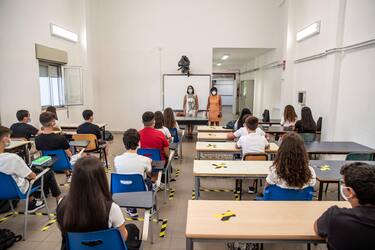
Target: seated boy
253, 142
22, 129
132, 163
352, 228
13, 165
49, 140
88, 127
244, 131
152, 138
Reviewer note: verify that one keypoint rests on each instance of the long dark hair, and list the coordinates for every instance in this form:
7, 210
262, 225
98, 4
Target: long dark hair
52, 109
87, 205
289, 113
241, 120
159, 120
292, 161
169, 120
307, 119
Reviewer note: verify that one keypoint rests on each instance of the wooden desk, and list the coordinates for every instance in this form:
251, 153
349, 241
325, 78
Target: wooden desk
186, 120
204, 136
271, 122
214, 129
255, 221
74, 126
277, 130
232, 169
225, 147
331, 175
336, 147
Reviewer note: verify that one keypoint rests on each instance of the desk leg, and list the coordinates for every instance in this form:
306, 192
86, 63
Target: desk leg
189, 244
320, 192
338, 191
199, 155
197, 187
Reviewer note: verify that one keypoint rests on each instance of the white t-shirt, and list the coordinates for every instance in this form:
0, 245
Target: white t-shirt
165, 131
13, 165
128, 163
273, 179
252, 143
116, 218
243, 131
287, 123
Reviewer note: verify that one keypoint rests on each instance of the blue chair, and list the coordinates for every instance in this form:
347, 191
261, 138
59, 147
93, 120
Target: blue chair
276, 193
98, 240
62, 162
123, 183
174, 134
152, 153
10, 191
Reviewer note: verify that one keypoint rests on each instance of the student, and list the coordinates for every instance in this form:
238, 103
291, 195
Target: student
240, 121
89, 206
243, 130
290, 117
159, 125
132, 163
49, 140
252, 143
214, 107
307, 123
88, 127
13, 165
169, 119
352, 228
22, 129
53, 110
152, 138
291, 167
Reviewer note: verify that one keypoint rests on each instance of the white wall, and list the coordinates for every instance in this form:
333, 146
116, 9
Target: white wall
22, 24
128, 34
339, 87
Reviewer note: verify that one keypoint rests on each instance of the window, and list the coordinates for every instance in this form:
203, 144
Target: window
60, 86
51, 85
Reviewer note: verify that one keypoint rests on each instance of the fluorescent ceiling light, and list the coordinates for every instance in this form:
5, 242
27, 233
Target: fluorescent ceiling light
219, 64
63, 33
224, 57
309, 31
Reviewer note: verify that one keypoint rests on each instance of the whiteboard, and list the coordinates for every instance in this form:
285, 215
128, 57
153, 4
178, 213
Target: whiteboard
175, 86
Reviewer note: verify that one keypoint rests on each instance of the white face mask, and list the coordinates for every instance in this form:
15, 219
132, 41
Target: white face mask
342, 187
190, 91
214, 92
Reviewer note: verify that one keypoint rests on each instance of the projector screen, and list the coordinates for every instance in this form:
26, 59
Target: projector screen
174, 89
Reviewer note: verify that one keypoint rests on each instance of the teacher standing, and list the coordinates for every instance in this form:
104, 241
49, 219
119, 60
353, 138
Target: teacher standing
214, 108
191, 107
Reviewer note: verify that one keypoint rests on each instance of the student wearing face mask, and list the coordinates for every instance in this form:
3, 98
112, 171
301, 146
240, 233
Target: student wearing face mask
191, 107
22, 129
214, 107
352, 228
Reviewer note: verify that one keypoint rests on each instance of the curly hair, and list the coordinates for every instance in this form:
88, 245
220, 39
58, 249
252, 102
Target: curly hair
292, 161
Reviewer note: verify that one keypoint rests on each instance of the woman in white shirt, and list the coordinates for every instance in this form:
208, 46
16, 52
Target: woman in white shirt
159, 125
290, 117
89, 206
291, 167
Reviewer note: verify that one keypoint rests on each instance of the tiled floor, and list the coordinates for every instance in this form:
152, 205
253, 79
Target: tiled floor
174, 211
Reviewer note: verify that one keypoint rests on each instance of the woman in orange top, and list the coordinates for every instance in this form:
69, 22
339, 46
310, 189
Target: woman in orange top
214, 107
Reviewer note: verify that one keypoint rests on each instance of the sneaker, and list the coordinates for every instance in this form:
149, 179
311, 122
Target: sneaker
68, 178
35, 205
132, 212
251, 190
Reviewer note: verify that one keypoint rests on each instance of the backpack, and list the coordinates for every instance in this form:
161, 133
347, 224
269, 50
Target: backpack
5, 207
230, 124
108, 136
133, 242
8, 238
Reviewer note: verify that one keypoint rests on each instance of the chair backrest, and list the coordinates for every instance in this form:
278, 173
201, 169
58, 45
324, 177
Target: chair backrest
93, 141
123, 183
8, 188
274, 192
266, 115
98, 240
62, 162
174, 134
308, 137
319, 124
255, 157
359, 157
152, 153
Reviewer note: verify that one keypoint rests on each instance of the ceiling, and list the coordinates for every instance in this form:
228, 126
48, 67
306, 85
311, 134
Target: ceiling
237, 58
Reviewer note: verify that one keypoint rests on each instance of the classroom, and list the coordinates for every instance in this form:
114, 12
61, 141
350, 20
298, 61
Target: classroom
171, 125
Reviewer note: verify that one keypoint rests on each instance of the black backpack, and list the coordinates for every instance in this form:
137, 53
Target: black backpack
230, 125
108, 136
133, 242
8, 238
